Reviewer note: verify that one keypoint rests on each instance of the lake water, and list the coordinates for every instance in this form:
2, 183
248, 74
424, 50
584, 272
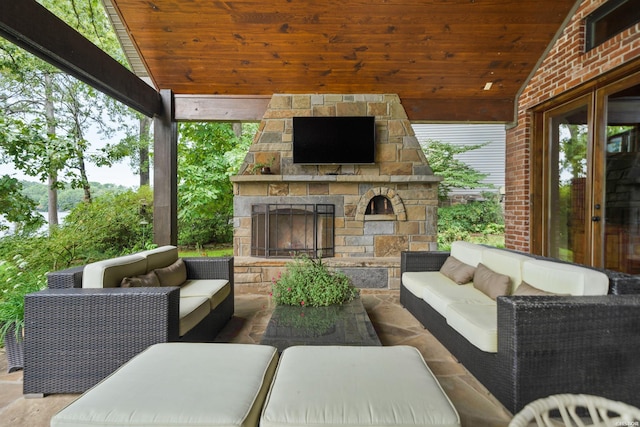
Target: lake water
61, 217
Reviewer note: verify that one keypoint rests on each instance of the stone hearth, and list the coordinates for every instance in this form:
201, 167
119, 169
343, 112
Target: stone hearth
381, 209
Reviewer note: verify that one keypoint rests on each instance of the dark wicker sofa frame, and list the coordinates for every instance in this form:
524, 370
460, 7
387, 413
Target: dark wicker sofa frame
75, 337
547, 345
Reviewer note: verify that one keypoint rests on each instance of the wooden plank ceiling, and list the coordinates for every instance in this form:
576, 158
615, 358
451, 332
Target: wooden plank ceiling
437, 55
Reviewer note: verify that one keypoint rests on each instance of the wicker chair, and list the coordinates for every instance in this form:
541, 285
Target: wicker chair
75, 337
580, 410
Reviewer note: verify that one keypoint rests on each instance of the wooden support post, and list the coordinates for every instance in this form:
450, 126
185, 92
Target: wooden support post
165, 173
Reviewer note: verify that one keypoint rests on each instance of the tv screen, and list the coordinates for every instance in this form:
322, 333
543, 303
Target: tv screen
334, 140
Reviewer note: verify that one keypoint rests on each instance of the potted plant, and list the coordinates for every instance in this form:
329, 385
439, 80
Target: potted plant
308, 282
263, 167
16, 280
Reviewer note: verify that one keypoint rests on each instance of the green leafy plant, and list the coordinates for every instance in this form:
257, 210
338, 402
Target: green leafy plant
17, 279
308, 282
312, 321
474, 221
456, 173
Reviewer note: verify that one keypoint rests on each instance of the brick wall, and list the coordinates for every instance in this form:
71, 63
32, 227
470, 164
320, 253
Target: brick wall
566, 67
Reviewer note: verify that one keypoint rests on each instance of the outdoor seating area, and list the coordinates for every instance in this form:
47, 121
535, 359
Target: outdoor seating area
253, 308
110, 308
340, 385
503, 293
394, 325
526, 327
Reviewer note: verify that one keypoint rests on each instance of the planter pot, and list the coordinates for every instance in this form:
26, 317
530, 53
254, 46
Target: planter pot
15, 351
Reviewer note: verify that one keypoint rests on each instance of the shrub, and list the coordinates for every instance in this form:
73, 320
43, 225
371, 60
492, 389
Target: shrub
308, 282
17, 278
111, 225
459, 222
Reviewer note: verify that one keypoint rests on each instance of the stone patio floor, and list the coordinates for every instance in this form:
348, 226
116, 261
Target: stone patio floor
394, 325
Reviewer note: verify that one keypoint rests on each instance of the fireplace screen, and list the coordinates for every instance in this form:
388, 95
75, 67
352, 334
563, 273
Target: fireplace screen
287, 230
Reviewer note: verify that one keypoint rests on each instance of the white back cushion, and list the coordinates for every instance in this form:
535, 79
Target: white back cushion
110, 272
507, 263
469, 253
160, 257
564, 279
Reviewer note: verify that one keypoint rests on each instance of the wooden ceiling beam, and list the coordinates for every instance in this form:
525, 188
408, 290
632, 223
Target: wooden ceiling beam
253, 107
460, 110
220, 108
32, 27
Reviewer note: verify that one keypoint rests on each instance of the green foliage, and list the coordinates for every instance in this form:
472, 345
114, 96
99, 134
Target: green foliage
46, 114
208, 154
456, 173
573, 150
312, 321
17, 208
68, 198
460, 221
113, 224
17, 278
308, 282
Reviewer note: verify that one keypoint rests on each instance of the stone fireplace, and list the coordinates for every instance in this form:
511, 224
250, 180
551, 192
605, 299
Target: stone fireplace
358, 218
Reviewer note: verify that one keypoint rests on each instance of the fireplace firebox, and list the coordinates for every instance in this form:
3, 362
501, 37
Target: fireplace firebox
287, 230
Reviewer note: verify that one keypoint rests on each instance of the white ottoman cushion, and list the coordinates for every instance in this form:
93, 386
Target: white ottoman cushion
180, 384
356, 387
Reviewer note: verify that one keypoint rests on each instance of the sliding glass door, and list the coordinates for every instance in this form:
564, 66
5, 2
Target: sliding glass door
568, 187
590, 156
621, 176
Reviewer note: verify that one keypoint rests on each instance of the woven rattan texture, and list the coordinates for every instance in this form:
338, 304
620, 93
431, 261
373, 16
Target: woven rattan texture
14, 347
546, 345
75, 337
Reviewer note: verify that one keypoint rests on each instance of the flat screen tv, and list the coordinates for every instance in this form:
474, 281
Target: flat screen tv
334, 140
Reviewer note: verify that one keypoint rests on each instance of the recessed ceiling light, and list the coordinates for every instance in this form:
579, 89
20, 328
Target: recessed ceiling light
488, 85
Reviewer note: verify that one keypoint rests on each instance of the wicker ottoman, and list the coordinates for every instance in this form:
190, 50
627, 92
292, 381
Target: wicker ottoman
180, 384
341, 386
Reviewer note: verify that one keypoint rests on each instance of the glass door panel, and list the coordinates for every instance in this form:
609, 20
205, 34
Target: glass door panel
568, 185
622, 188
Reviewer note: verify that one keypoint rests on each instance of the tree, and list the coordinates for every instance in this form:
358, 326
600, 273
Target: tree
16, 208
208, 154
47, 113
456, 173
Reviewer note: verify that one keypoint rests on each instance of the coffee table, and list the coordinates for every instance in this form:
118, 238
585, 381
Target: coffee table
346, 324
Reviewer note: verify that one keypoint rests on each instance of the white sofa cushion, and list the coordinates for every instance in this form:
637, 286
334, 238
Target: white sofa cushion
108, 273
192, 311
440, 294
567, 279
469, 253
507, 263
216, 290
477, 322
417, 281
160, 257
439, 291
342, 386
180, 384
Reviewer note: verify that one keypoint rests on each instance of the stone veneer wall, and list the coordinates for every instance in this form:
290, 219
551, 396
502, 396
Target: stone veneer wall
401, 174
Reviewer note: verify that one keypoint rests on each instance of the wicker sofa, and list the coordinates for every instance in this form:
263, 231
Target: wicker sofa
544, 345
86, 324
